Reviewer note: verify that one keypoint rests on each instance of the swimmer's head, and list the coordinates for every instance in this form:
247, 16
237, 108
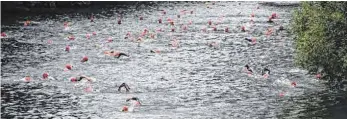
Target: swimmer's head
68, 66
247, 67
45, 75
73, 79
125, 109
67, 48
273, 15
84, 59
243, 28
27, 78
3, 34
293, 84
281, 28
318, 76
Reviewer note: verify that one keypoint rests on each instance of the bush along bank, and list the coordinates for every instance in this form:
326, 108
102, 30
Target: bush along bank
320, 30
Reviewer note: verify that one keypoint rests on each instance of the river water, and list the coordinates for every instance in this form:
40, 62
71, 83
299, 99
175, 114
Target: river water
190, 81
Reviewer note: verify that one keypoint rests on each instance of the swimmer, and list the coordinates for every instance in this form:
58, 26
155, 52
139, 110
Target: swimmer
84, 59
119, 21
26, 79
243, 29
249, 70
92, 18
127, 88
251, 40
154, 51
160, 21
226, 30
67, 48
115, 54
265, 71
281, 28
134, 99
125, 109
80, 78
3, 34
213, 44
71, 37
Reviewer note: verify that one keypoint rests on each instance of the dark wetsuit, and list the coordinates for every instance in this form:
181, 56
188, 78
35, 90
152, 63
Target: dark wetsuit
248, 39
79, 78
265, 71
248, 69
127, 88
120, 54
133, 98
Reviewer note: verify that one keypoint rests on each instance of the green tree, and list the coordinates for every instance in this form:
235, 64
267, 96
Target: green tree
320, 30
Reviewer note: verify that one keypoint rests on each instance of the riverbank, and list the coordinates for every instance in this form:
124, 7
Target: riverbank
11, 10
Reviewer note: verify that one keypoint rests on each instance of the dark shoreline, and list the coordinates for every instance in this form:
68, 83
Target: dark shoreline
12, 10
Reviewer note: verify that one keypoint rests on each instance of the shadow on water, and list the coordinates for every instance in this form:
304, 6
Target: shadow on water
188, 82
27, 101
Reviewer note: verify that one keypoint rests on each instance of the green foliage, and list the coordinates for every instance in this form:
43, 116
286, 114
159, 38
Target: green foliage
321, 37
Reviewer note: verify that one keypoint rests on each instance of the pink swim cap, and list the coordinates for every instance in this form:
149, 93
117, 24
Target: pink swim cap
45, 75
73, 79
84, 59
68, 66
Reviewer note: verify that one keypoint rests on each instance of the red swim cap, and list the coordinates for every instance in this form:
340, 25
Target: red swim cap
68, 66
293, 84
209, 22
281, 94
318, 76
45, 75
214, 28
227, 29
27, 78
73, 79
125, 109
84, 59
243, 28
67, 48
3, 34
273, 15
184, 27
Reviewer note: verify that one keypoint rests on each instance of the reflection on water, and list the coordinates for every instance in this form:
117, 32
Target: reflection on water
191, 81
